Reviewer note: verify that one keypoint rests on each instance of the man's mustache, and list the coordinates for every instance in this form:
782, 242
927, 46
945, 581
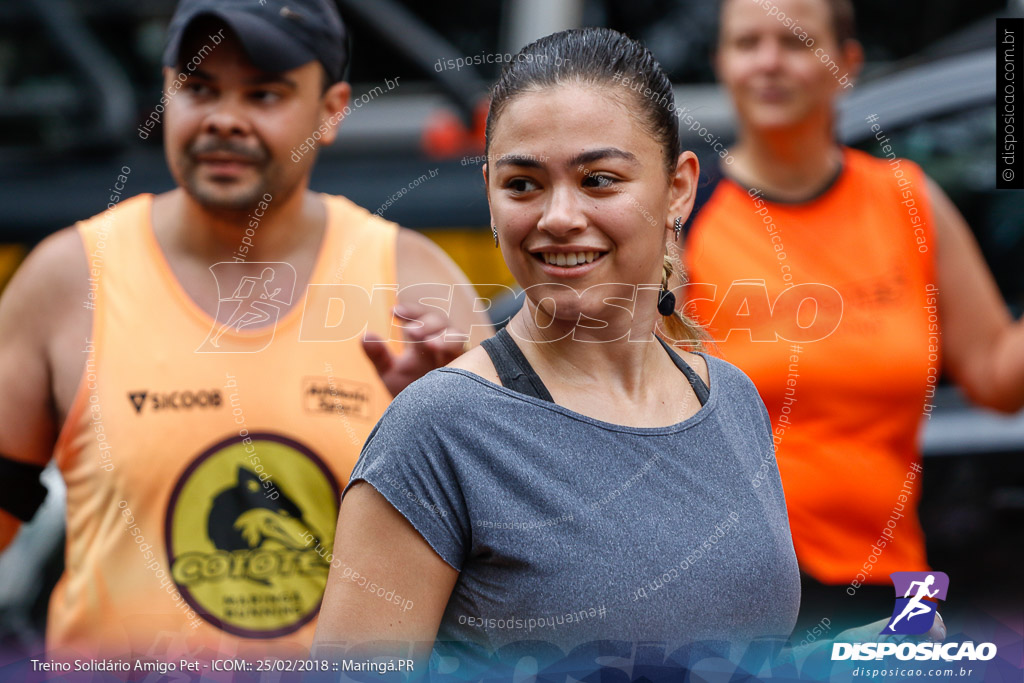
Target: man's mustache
255, 155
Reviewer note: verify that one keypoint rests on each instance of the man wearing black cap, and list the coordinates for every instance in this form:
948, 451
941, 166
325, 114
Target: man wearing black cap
204, 365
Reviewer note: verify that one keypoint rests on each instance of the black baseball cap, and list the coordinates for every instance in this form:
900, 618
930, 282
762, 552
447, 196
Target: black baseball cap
278, 35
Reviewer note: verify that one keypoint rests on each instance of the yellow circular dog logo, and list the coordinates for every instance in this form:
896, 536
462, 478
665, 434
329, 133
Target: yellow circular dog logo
249, 526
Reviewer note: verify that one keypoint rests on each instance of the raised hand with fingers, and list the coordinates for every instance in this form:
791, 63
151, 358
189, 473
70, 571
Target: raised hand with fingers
430, 344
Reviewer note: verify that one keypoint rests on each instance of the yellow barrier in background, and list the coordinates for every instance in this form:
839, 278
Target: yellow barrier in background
471, 248
11, 256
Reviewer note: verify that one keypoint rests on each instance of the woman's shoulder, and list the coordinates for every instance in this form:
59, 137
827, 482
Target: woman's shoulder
476, 362
429, 408
738, 401
697, 363
440, 389
730, 378
459, 388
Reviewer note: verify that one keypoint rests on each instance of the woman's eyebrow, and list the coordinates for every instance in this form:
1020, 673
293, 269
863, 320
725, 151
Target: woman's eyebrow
590, 156
527, 160
593, 155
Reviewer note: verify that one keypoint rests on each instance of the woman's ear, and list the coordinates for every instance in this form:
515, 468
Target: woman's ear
853, 56
683, 188
487, 185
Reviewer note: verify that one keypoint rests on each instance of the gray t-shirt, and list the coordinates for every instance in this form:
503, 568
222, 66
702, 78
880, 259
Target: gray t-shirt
568, 529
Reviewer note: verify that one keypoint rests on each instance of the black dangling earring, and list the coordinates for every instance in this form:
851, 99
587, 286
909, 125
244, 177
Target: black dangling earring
666, 302
678, 226
494, 231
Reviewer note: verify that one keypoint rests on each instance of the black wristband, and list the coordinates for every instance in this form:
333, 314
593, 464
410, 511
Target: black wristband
21, 492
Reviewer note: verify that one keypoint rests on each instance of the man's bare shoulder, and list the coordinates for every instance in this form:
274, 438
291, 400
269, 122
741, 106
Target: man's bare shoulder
420, 259
52, 282
43, 325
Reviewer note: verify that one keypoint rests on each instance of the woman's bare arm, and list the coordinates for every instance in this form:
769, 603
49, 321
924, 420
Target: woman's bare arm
377, 548
982, 345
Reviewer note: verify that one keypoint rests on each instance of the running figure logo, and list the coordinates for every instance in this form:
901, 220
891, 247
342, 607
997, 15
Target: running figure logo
254, 305
914, 612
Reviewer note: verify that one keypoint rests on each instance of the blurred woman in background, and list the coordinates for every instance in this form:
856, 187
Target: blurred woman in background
828, 276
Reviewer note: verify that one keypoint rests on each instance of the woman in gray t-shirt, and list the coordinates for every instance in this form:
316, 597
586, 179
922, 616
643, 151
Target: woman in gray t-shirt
576, 480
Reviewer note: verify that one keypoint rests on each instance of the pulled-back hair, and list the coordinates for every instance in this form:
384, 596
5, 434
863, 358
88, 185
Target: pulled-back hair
607, 59
843, 22
841, 14
594, 56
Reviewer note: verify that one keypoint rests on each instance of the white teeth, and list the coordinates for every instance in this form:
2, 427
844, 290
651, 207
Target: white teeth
569, 260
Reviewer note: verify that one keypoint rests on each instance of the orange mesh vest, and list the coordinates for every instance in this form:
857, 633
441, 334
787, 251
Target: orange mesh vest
828, 306
204, 461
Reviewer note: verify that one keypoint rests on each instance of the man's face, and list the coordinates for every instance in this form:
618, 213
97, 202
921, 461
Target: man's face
230, 129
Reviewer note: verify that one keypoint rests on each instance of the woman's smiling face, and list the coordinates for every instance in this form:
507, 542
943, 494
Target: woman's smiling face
579, 192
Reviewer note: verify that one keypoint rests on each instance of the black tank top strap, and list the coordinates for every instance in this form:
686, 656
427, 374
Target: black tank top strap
699, 387
514, 371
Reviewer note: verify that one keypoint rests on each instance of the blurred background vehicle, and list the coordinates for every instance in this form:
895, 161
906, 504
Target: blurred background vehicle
78, 78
